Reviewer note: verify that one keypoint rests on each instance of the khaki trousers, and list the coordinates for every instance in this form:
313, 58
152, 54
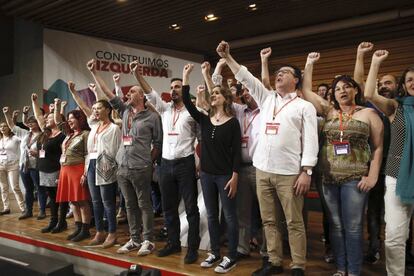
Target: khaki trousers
276, 197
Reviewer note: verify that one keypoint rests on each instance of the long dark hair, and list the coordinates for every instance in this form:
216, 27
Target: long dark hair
11, 132
401, 91
81, 117
350, 81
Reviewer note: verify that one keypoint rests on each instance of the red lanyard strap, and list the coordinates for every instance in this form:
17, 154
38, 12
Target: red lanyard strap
247, 125
175, 119
283, 106
99, 131
342, 127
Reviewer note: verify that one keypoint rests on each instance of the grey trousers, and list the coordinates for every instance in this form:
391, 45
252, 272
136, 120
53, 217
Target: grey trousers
135, 185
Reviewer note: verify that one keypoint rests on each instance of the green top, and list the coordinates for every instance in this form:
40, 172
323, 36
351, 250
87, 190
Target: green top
339, 169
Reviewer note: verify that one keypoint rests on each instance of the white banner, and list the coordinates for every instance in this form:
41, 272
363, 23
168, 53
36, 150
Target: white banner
65, 56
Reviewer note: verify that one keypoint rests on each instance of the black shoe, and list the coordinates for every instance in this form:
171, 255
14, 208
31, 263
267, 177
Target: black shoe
298, 272
191, 256
372, 258
168, 250
50, 227
5, 212
241, 256
268, 269
25, 215
78, 227
162, 235
42, 215
60, 227
83, 234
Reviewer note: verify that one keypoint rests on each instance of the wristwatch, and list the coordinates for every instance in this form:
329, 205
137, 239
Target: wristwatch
308, 171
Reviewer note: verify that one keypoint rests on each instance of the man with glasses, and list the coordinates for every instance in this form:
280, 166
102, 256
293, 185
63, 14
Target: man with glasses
285, 155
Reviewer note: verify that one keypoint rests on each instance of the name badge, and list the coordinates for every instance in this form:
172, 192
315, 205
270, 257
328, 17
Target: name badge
127, 140
245, 141
62, 158
272, 128
93, 155
342, 148
42, 154
172, 138
3, 156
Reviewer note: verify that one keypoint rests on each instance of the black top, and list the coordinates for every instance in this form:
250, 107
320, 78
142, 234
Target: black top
220, 145
396, 149
53, 150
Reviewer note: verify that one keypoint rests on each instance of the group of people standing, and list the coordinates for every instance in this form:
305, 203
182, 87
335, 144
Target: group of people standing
258, 142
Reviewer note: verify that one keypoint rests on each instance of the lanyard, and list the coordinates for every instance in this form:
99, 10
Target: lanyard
66, 144
99, 131
175, 119
342, 127
283, 106
247, 125
131, 115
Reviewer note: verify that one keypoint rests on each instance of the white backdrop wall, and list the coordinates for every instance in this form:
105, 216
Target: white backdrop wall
65, 56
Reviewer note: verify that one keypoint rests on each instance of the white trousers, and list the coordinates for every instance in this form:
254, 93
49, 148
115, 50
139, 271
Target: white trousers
9, 175
397, 219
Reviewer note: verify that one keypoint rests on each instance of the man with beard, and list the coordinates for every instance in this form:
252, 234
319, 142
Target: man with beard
177, 174
141, 128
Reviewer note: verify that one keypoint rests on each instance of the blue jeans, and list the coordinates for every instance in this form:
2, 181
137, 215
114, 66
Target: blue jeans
346, 205
103, 200
178, 180
30, 179
213, 188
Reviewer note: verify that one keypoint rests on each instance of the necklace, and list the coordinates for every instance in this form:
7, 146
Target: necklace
218, 117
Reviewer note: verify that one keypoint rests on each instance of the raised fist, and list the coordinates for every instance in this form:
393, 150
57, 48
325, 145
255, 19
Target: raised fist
265, 53
379, 56
5, 109
364, 47
57, 102
92, 87
34, 97
133, 66
187, 69
91, 65
313, 57
223, 49
26, 108
205, 67
116, 78
64, 103
201, 89
15, 113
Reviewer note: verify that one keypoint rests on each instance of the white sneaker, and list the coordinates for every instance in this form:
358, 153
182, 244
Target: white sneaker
210, 260
225, 266
146, 248
128, 247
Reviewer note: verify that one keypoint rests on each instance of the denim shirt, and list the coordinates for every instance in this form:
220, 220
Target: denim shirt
145, 130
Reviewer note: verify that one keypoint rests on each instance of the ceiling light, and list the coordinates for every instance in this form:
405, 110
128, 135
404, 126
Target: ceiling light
121, 1
174, 27
210, 17
252, 7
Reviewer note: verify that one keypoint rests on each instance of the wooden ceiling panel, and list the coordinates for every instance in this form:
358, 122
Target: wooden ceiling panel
147, 21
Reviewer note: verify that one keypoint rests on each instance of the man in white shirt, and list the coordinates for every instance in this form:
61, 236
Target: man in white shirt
285, 155
177, 175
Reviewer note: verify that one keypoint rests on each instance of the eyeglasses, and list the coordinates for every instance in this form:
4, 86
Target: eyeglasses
284, 71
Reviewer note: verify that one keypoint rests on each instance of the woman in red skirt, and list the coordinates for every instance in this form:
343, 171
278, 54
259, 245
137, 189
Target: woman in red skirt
72, 183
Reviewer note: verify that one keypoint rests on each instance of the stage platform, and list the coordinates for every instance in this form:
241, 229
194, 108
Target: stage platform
97, 261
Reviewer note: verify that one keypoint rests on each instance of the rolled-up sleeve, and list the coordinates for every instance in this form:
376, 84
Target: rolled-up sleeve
157, 133
255, 86
310, 145
154, 98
